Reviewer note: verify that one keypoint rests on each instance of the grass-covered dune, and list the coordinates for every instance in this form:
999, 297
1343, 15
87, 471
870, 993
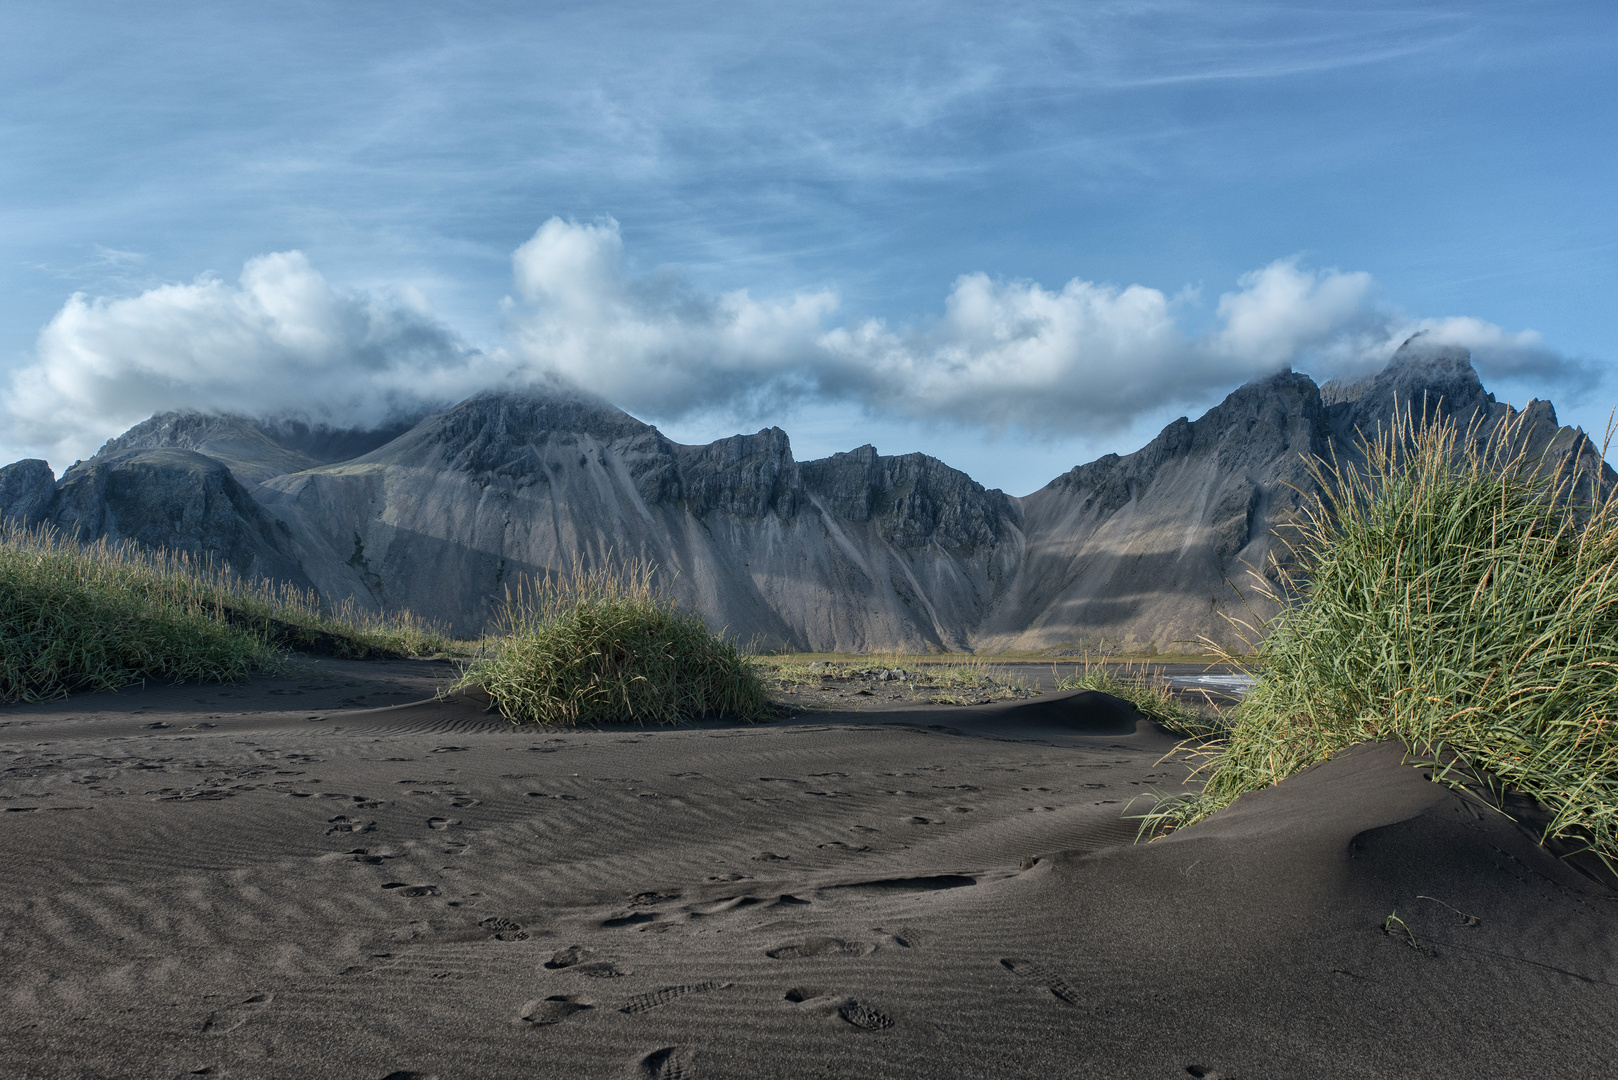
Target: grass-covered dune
595, 646
76, 617
1455, 594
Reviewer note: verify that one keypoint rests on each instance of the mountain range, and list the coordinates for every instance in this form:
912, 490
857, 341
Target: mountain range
1147, 552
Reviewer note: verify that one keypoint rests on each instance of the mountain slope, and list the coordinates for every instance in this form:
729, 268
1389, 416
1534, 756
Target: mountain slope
855, 552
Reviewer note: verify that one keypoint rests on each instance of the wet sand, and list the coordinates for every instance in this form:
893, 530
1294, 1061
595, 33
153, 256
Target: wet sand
332, 875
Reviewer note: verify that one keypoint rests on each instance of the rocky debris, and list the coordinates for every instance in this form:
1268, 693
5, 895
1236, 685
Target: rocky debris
830, 685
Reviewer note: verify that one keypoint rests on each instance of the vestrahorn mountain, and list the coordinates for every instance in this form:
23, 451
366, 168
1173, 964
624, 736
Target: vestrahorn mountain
855, 552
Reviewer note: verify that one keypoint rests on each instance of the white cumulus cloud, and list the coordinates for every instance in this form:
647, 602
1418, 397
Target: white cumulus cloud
1015, 353
1284, 312
280, 340
653, 344
1083, 359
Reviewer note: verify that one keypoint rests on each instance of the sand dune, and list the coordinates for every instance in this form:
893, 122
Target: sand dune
328, 875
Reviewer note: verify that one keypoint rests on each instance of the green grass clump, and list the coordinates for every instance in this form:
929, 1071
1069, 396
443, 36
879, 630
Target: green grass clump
77, 617
1455, 595
1150, 694
598, 646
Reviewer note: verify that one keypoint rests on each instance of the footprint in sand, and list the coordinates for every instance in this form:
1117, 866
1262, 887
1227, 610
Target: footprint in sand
554, 1009
571, 956
234, 1016
442, 823
848, 1010
502, 929
815, 947
667, 1063
407, 1074
656, 999
1059, 987
342, 824
365, 855
865, 1016
406, 889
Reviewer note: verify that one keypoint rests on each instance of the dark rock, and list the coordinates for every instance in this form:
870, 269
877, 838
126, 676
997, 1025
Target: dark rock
745, 475
27, 489
914, 499
179, 500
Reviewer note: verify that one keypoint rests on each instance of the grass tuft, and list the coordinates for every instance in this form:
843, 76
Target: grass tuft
598, 646
1146, 689
85, 617
1454, 594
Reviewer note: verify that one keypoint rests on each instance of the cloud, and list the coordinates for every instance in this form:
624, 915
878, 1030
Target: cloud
1016, 354
653, 344
1085, 359
1002, 353
1501, 354
1285, 311
281, 340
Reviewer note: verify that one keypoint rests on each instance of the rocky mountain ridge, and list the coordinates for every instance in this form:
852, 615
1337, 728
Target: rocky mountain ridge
855, 552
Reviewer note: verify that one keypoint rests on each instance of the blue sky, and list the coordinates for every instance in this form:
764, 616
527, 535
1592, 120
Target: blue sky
1013, 235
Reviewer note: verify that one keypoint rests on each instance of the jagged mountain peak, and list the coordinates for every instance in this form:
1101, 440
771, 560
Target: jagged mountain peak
253, 448
236, 441
916, 498
1422, 373
504, 431
183, 428
1277, 414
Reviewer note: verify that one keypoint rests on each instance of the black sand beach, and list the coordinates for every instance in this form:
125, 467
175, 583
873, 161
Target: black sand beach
330, 875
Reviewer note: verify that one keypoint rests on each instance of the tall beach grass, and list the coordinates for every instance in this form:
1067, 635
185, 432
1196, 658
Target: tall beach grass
1457, 595
604, 645
1143, 686
76, 617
